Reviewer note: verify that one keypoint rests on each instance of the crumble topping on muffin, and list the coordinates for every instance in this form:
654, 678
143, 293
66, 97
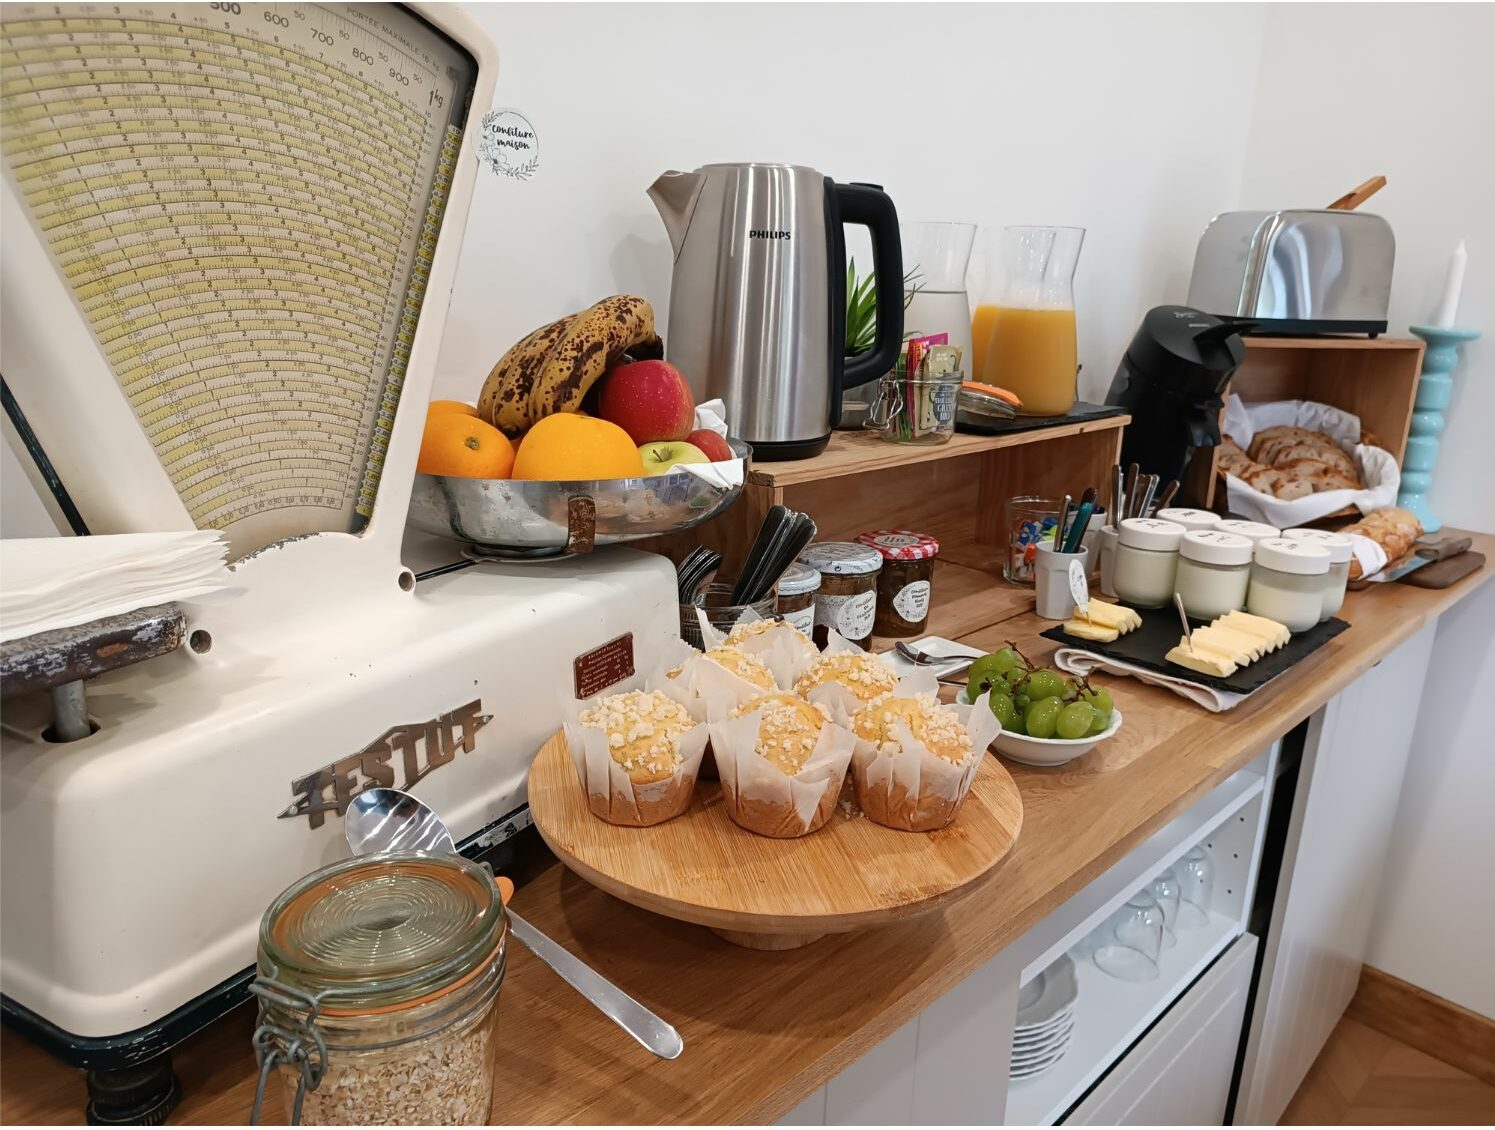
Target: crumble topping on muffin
787, 730
865, 676
643, 732
939, 729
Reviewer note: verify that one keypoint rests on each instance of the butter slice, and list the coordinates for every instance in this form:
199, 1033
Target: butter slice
1201, 660
1275, 635
1084, 630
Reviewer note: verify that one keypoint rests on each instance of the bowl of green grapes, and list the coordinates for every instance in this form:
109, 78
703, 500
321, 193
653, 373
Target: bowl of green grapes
1047, 717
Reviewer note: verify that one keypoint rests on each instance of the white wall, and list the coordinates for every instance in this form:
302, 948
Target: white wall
1129, 120
1409, 91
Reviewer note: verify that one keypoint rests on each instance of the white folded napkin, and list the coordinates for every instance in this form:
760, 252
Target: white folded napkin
61, 582
1077, 661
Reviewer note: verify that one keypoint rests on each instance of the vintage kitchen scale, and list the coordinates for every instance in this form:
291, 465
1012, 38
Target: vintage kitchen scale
230, 236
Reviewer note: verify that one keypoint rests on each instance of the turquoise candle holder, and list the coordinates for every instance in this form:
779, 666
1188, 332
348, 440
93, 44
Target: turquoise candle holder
1434, 388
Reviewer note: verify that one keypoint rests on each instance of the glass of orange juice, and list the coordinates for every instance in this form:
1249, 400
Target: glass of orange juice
1023, 329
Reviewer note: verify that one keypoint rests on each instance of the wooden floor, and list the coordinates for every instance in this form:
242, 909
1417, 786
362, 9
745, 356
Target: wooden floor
1365, 1077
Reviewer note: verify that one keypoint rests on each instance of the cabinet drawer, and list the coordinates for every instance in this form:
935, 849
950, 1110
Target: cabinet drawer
1179, 1073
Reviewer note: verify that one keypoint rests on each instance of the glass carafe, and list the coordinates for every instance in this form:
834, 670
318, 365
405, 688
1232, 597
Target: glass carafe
1023, 329
935, 256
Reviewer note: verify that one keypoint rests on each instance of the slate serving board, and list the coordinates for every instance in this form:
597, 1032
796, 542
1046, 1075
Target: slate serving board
1146, 646
1081, 411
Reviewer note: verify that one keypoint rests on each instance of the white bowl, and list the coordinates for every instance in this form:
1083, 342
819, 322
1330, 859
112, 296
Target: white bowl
1047, 751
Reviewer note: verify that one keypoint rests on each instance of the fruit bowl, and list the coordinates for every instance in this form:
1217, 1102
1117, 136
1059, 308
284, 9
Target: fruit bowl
524, 519
1045, 752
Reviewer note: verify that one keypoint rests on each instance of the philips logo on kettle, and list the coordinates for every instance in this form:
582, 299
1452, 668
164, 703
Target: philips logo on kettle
767, 233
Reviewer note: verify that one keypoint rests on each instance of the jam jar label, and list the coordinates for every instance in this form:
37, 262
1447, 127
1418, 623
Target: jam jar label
802, 618
852, 616
912, 601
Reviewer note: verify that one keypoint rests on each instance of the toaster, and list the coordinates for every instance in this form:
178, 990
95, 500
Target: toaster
1297, 271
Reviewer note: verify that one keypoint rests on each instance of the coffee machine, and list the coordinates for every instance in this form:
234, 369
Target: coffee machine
758, 298
1172, 381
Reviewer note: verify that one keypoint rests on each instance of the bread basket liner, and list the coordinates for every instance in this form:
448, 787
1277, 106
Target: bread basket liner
837, 697
1376, 465
914, 789
761, 797
781, 649
611, 793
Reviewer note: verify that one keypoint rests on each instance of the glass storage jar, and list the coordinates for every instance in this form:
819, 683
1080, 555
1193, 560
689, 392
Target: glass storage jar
847, 597
1214, 570
1146, 561
796, 597
1287, 582
378, 981
903, 585
1189, 518
1340, 551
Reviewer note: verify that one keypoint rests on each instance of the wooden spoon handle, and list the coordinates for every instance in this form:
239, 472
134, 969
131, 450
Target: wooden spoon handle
1359, 195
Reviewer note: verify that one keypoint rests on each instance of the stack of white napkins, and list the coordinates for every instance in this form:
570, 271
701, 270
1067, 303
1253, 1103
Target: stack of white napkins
49, 583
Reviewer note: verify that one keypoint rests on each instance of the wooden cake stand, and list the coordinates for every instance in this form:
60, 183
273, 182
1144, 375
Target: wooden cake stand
766, 893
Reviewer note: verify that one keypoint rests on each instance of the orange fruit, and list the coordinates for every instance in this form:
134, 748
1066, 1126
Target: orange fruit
445, 407
569, 445
464, 446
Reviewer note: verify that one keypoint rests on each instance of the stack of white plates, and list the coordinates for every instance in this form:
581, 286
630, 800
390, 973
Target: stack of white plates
1045, 1019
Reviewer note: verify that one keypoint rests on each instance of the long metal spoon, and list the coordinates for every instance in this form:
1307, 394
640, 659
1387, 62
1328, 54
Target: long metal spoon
391, 820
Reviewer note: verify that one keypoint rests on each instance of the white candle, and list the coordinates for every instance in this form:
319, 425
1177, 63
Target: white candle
1448, 306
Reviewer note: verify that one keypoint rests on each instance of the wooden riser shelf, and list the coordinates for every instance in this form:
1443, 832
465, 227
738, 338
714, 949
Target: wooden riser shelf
955, 492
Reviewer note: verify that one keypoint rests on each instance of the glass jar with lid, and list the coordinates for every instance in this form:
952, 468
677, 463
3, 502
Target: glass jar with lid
1146, 561
796, 597
903, 585
378, 980
847, 597
1341, 549
1256, 531
1214, 571
1189, 518
1287, 582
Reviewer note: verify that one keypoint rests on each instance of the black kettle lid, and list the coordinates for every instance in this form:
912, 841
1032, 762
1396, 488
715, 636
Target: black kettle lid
1178, 342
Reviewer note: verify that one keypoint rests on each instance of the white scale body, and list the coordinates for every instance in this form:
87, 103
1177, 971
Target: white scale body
137, 862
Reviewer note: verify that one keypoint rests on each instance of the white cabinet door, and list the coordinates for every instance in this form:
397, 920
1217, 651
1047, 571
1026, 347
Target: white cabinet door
878, 1089
1342, 818
1179, 1073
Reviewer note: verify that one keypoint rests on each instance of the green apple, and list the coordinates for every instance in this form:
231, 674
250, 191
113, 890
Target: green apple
662, 456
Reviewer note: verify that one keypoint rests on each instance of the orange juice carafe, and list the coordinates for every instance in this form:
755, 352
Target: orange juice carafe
1023, 334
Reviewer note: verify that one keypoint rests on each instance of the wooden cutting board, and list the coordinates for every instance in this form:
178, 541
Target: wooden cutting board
766, 893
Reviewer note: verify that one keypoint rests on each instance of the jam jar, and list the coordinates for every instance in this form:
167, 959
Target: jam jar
796, 600
903, 586
847, 597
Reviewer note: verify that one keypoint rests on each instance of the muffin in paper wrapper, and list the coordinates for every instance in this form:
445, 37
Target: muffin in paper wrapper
782, 648
612, 794
761, 797
704, 687
916, 790
837, 697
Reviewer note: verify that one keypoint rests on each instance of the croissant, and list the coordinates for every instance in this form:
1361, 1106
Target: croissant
1392, 528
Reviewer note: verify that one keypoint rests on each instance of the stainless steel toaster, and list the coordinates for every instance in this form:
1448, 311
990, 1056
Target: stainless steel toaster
1302, 270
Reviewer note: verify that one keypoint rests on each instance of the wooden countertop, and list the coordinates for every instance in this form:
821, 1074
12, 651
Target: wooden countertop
764, 1029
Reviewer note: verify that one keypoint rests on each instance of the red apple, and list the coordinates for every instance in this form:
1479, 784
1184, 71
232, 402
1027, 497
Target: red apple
715, 446
649, 400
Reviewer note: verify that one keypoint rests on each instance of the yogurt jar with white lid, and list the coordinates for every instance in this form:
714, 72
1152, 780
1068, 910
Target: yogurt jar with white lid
1146, 561
1189, 518
1288, 578
1341, 549
1256, 531
1214, 572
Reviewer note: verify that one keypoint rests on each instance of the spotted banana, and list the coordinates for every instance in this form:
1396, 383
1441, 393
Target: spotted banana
505, 400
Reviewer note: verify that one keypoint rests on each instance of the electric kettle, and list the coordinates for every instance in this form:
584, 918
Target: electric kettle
758, 299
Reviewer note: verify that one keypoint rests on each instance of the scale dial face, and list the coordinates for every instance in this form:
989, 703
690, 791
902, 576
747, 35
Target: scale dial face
243, 201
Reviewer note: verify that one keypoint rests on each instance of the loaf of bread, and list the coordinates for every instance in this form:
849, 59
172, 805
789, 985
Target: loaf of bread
1392, 528
1287, 462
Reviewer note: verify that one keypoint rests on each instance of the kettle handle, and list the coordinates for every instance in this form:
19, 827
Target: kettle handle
869, 205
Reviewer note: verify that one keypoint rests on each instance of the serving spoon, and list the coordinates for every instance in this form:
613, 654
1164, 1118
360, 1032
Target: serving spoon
391, 820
